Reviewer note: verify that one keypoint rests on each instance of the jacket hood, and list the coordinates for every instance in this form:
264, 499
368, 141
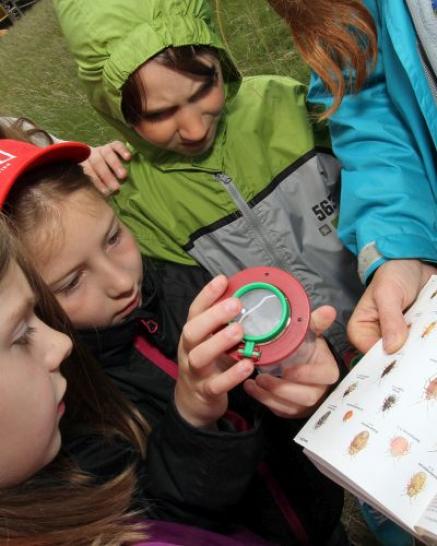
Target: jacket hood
110, 39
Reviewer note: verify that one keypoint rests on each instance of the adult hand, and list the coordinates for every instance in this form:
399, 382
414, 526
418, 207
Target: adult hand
206, 375
105, 168
379, 312
302, 386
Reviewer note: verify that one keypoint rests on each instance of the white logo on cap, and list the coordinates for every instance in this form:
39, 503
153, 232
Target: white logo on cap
5, 157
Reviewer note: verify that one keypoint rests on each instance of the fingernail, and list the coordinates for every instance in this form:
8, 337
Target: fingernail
121, 173
261, 380
218, 282
233, 330
246, 368
392, 342
232, 305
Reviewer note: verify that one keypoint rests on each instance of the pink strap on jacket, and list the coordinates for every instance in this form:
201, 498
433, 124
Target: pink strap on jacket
169, 367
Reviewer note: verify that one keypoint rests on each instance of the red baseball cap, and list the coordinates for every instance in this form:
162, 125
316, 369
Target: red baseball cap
17, 158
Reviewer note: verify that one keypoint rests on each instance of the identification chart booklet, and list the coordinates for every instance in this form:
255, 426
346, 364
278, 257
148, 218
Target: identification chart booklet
376, 434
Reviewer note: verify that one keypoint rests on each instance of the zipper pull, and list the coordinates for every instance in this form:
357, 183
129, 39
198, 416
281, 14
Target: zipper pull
223, 178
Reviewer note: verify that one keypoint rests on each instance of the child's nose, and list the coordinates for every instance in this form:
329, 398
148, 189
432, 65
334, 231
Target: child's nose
119, 283
192, 126
60, 348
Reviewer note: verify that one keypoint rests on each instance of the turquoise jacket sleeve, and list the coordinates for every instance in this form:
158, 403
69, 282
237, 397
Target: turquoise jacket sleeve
380, 135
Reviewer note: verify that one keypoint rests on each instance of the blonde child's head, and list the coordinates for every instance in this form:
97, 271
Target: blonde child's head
88, 259
48, 388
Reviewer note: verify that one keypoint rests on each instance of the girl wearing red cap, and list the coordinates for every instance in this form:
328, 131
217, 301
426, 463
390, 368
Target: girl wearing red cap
46, 388
91, 264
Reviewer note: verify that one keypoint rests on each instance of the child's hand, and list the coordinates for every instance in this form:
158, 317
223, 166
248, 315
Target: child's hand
205, 374
302, 386
105, 168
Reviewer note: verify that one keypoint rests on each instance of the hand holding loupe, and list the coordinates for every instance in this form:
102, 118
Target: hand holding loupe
275, 316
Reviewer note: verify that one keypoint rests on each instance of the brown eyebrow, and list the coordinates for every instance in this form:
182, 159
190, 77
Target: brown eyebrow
21, 311
52, 285
192, 98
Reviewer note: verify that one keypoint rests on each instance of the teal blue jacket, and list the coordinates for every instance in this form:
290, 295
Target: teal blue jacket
385, 137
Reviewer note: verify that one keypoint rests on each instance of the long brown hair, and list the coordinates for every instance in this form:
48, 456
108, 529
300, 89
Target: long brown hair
60, 505
337, 38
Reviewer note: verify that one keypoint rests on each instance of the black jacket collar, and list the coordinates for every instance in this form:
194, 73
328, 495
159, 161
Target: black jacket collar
113, 343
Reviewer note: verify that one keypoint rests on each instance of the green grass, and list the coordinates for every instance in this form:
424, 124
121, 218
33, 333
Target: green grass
258, 39
38, 76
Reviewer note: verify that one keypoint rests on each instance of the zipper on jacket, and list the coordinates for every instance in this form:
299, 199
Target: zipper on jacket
420, 33
227, 182
429, 73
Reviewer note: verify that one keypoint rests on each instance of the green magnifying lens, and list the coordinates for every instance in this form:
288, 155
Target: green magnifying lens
275, 317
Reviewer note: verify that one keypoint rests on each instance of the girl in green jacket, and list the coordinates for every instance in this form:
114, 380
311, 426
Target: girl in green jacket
225, 173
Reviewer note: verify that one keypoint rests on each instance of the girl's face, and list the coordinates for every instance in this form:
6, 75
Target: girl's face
31, 386
95, 271
183, 110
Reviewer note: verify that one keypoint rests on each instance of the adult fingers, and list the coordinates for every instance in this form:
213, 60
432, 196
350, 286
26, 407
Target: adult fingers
393, 327
363, 328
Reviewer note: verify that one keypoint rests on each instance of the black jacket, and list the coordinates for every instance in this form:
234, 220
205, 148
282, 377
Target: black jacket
190, 475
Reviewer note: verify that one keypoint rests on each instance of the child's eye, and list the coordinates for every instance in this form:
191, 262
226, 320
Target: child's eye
69, 287
115, 237
26, 337
204, 90
159, 116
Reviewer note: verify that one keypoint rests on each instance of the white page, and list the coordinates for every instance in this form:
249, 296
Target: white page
428, 521
379, 427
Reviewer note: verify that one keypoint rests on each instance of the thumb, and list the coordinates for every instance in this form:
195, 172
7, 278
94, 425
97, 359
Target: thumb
394, 329
322, 318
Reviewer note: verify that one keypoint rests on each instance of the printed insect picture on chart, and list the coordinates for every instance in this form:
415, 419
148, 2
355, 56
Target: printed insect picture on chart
350, 389
320, 422
430, 328
388, 403
431, 389
359, 442
429, 392
388, 369
416, 484
348, 416
399, 447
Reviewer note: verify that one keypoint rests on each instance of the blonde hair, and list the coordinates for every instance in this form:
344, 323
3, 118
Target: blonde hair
336, 38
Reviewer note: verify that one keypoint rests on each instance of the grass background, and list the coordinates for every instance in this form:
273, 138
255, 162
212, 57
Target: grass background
38, 76
38, 80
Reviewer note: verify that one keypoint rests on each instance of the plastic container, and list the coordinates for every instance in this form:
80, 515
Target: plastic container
275, 317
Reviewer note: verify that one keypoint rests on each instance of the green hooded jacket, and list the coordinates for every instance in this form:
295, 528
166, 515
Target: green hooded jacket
264, 194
